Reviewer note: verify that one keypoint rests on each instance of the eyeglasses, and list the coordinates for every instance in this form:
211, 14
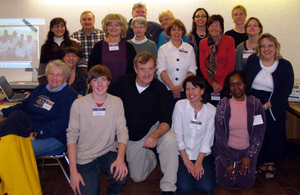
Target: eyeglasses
250, 26
202, 16
141, 27
266, 46
59, 26
55, 75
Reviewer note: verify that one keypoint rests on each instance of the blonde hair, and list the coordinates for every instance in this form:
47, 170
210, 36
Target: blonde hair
118, 18
239, 6
271, 38
139, 5
166, 13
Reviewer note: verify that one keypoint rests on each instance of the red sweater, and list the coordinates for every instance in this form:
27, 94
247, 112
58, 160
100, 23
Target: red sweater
225, 55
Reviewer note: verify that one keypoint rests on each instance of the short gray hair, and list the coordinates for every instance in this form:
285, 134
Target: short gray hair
59, 64
140, 20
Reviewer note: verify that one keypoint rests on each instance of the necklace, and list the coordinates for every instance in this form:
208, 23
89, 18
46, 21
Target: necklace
201, 36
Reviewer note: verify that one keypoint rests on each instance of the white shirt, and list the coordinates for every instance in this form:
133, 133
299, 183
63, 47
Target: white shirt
177, 62
193, 140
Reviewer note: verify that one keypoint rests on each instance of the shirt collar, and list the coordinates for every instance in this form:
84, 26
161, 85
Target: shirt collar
57, 89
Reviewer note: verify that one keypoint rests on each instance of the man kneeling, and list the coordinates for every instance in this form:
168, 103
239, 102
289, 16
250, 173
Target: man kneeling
95, 121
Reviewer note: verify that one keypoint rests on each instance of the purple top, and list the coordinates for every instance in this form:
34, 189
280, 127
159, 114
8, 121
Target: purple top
114, 57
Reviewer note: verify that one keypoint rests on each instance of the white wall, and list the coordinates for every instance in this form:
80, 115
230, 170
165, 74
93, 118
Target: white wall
280, 18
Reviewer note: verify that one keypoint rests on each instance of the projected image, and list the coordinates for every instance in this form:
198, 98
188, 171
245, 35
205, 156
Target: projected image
18, 46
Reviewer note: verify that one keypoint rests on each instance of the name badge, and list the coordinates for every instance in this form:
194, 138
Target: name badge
113, 46
195, 124
247, 53
183, 51
257, 120
47, 105
215, 97
98, 111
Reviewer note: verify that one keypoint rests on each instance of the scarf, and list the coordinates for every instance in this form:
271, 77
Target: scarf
212, 60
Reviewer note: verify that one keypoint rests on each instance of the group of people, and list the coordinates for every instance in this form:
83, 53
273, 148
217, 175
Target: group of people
15, 47
216, 108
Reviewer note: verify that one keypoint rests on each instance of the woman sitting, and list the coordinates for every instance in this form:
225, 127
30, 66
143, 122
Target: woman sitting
240, 127
193, 126
253, 28
58, 39
176, 61
48, 109
77, 79
139, 41
113, 52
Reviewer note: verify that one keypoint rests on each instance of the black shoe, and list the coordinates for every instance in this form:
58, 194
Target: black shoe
167, 193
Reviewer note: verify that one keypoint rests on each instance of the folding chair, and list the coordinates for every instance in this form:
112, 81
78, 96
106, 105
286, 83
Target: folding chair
57, 158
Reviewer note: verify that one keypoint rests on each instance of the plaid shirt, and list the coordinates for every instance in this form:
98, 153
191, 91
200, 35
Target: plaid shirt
87, 42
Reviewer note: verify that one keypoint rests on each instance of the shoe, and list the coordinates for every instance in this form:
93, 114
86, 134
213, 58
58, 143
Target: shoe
274, 173
261, 169
167, 193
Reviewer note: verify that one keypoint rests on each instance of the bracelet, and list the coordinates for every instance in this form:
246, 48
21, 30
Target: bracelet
265, 106
34, 134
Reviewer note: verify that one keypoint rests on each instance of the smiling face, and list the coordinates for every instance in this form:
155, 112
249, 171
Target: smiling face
253, 28
164, 21
239, 16
87, 21
139, 30
200, 18
56, 77
268, 49
194, 94
114, 29
145, 73
58, 30
215, 29
99, 85
71, 59
176, 33
237, 87
139, 11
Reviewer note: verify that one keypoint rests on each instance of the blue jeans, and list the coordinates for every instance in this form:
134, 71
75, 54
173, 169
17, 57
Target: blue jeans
91, 173
47, 147
186, 183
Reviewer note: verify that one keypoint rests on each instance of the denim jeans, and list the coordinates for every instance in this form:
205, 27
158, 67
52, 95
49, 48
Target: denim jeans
91, 173
47, 147
186, 183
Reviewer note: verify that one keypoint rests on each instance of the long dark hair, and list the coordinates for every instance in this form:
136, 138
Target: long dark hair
197, 82
244, 78
48, 43
194, 26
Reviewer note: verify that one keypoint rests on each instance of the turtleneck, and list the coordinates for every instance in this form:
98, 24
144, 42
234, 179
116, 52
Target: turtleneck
58, 40
139, 42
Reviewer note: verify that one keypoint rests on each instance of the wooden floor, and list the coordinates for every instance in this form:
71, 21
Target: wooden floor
288, 181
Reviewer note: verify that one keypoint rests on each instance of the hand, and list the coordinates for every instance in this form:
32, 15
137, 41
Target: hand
75, 179
31, 137
245, 165
151, 141
199, 170
217, 87
190, 167
231, 172
120, 169
176, 91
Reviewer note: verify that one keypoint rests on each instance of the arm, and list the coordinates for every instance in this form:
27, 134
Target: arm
96, 55
160, 40
203, 57
166, 79
151, 140
239, 57
190, 166
119, 164
75, 177
131, 53
199, 170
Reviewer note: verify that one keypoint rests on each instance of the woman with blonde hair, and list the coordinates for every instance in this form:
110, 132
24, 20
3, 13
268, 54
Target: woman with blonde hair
113, 51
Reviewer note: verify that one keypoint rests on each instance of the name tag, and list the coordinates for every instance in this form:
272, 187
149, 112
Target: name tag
195, 124
257, 120
47, 105
183, 51
98, 111
113, 46
247, 53
216, 97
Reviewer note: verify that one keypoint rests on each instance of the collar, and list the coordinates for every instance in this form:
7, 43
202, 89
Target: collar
139, 42
56, 89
